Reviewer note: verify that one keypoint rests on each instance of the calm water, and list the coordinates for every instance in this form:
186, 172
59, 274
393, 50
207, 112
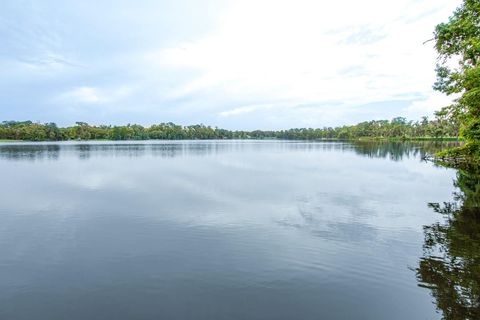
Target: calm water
217, 230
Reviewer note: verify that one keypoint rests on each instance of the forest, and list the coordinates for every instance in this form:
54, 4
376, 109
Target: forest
398, 128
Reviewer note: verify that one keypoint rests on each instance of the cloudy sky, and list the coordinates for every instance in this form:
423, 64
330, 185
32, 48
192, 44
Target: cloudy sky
237, 64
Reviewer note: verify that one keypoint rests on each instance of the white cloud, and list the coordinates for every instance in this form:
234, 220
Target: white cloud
307, 51
243, 64
244, 109
427, 106
93, 95
83, 95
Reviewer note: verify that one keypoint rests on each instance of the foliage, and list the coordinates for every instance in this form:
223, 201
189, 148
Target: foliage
458, 72
398, 128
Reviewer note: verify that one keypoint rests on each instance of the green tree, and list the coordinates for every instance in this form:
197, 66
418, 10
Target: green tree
458, 73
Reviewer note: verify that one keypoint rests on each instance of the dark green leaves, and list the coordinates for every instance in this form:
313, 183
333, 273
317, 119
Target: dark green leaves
458, 72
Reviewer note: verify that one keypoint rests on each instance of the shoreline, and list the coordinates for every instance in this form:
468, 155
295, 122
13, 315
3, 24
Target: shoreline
361, 139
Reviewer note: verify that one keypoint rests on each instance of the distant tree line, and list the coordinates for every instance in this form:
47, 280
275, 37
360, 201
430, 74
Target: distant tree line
397, 128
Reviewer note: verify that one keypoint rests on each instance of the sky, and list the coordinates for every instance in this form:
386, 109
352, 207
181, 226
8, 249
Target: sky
235, 64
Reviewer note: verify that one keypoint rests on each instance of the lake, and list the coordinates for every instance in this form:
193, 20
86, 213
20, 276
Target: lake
219, 230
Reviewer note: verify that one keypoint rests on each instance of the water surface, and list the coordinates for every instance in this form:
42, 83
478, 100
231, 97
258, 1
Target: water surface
216, 230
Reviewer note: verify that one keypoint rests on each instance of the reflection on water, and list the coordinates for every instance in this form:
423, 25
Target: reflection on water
450, 266
228, 230
395, 151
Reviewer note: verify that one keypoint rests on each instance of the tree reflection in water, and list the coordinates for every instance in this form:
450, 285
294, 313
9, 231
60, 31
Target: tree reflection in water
450, 265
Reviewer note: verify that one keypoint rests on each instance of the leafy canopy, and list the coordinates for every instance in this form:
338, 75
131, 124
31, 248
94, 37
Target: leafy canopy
458, 71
